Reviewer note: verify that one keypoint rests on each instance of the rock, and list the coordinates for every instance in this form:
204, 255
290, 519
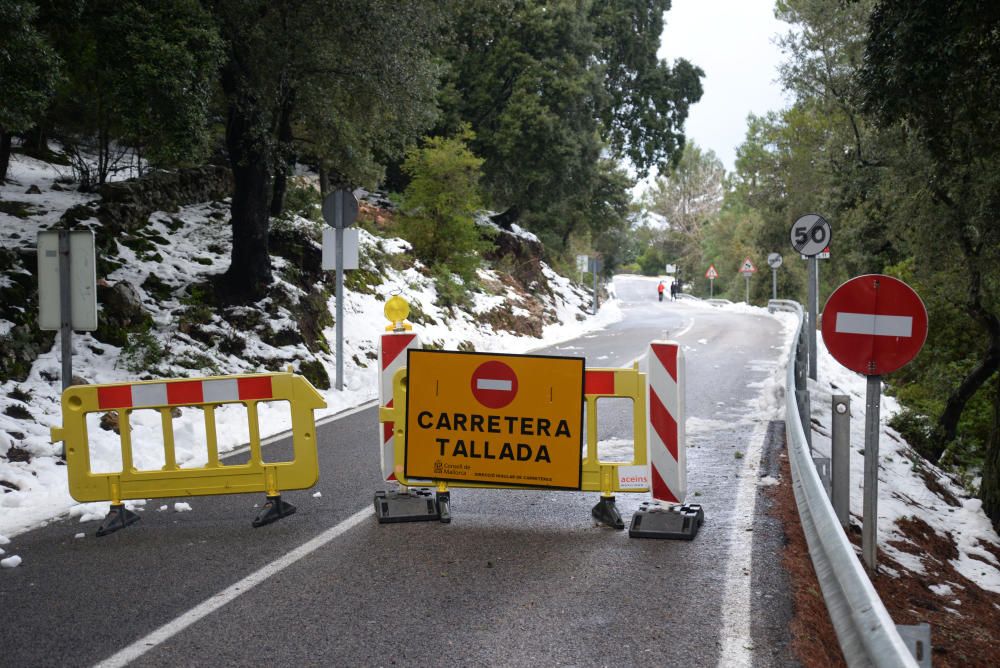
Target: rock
121, 312
110, 422
32, 190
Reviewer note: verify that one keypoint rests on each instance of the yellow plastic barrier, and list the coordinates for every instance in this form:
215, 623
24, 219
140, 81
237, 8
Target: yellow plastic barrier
213, 478
597, 475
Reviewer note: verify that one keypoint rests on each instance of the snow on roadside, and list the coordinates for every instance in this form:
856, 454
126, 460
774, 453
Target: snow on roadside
197, 244
903, 491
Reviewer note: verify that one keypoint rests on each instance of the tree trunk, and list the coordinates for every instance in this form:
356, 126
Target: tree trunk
947, 427
249, 273
989, 489
4, 154
286, 163
324, 180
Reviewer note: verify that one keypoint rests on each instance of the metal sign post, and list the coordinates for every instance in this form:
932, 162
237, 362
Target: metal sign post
65, 310
340, 210
869, 533
595, 266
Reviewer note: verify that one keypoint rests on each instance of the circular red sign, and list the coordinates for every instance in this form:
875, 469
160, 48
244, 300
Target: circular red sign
874, 324
494, 384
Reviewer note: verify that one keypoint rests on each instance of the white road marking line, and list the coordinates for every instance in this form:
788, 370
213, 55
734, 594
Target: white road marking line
172, 628
875, 325
737, 643
491, 384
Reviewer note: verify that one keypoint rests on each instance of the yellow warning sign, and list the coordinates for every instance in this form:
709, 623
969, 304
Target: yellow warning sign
503, 419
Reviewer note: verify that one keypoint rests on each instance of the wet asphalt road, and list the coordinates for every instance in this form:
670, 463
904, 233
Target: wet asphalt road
518, 578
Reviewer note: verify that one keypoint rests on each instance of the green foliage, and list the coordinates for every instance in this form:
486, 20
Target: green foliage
29, 67
551, 90
440, 204
142, 352
303, 199
315, 373
140, 75
451, 290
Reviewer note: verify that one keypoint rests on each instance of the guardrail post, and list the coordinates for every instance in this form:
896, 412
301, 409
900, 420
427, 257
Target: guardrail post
840, 453
917, 638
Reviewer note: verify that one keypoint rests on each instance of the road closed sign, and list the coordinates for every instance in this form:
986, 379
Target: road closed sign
494, 419
874, 324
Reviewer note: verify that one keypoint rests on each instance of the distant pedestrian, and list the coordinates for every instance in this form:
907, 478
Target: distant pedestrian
675, 289
659, 290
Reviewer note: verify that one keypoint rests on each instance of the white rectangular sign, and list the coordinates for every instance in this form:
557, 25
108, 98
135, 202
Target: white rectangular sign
633, 477
581, 262
82, 281
874, 325
329, 261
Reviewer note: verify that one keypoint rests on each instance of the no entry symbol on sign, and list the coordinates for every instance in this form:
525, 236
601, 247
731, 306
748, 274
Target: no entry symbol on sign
494, 384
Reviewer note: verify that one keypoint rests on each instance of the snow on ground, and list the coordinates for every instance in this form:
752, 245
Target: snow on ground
197, 243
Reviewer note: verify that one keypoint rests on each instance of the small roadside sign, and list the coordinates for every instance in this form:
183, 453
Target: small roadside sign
712, 273
774, 260
82, 281
512, 420
822, 255
811, 234
747, 268
328, 260
340, 208
581, 262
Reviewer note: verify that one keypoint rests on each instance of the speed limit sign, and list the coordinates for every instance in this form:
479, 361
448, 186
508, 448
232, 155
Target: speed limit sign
811, 234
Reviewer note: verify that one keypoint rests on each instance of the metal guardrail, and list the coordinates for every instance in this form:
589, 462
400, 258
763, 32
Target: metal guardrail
865, 631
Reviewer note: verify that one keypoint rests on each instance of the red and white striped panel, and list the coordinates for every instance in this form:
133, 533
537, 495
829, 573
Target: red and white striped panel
391, 358
183, 392
667, 459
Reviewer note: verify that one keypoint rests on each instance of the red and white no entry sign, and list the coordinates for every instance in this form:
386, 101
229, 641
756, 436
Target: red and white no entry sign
874, 324
494, 384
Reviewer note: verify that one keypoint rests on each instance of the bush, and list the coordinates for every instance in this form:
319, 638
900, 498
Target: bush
440, 204
142, 352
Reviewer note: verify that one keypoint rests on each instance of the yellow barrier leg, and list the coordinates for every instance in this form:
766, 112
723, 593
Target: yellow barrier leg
606, 512
118, 516
444, 502
275, 508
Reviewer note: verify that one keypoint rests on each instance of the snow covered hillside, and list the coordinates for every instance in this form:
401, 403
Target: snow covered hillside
187, 246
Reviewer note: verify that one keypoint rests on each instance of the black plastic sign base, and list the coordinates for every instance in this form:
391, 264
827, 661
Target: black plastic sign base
417, 505
117, 518
673, 523
273, 511
606, 512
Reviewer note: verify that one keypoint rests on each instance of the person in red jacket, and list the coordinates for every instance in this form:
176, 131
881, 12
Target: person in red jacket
659, 290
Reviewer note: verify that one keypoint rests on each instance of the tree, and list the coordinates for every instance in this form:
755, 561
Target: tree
29, 71
139, 76
688, 198
440, 205
320, 75
553, 88
935, 69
